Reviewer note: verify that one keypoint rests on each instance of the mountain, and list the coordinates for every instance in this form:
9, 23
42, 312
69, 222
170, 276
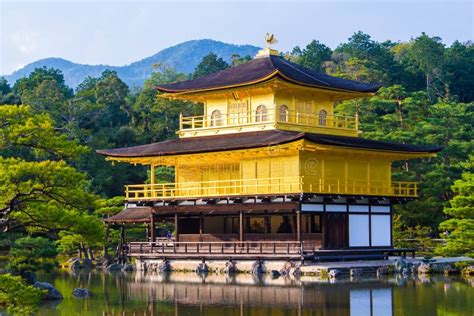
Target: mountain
183, 57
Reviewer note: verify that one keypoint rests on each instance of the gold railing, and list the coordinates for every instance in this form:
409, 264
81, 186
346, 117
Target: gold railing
283, 185
362, 187
270, 116
213, 188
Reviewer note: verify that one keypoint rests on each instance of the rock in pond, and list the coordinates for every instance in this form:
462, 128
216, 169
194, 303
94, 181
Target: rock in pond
75, 264
81, 293
275, 274
87, 263
114, 267
333, 274
128, 267
424, 268
52, 294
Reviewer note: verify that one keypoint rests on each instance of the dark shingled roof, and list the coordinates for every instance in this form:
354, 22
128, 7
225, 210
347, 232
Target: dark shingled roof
138, 214
254, 140
265, 68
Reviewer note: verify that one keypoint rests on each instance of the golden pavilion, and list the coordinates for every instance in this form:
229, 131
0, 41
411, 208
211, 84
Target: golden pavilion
268, 171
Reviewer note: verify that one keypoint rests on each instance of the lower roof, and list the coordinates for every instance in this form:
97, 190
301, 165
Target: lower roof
247, 140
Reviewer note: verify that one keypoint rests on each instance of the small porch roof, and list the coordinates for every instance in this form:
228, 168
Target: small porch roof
137, 214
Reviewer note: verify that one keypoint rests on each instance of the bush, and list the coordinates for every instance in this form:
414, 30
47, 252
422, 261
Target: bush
32, 254
18, 297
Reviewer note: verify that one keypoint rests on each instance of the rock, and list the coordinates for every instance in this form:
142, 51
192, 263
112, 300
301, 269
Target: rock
424, 268
128, 267
275, 274
400, 264
202, 268
332, 274
52, 292
468, 271
356, 272
162, 267
87, 264
295, 271
257, 268
29, 277
285, 270
383, 270
230, 267
81, 293
114, 267
75, 264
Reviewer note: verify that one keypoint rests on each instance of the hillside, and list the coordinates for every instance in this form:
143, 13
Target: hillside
183, 57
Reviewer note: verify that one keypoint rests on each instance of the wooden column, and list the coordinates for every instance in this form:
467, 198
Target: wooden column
200, 226
241, 225
298, 225
152, 174
152, 228
176, 229
122, 244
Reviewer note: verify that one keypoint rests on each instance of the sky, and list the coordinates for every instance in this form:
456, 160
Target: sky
120, 32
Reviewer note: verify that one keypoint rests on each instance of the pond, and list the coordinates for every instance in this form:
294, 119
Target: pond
191, 294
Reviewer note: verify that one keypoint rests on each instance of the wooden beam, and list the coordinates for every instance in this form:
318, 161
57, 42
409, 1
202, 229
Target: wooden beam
289, 206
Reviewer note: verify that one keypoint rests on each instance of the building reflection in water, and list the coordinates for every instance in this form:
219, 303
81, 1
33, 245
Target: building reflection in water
241, 294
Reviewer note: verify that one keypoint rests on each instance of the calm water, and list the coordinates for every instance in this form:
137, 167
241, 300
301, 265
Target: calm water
190, 294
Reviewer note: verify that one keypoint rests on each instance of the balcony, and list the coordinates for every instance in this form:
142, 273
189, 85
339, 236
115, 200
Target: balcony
287, 185
270, 119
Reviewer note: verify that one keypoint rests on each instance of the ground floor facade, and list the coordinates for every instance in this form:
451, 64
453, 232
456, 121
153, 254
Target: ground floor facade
262, 226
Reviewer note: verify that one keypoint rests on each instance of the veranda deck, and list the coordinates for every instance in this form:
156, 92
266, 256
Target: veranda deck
256, 250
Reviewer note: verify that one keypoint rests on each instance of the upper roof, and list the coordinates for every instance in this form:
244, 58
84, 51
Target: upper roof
248, 140
265, 68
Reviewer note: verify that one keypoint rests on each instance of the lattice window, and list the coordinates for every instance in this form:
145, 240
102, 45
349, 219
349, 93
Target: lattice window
261, 114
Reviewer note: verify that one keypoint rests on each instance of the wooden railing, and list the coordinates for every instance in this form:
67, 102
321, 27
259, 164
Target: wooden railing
225, 248
282, 185
270, 116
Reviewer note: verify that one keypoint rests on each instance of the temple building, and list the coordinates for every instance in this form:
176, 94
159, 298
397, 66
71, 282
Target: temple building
269, 170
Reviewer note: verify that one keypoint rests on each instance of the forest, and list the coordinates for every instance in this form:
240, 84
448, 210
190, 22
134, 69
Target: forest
55, 190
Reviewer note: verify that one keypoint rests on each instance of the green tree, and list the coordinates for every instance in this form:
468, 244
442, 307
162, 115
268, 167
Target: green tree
38, 189
237, 59
458, 70
209, 65
6, 93
427, 53
45, 91
460, 225
313, 56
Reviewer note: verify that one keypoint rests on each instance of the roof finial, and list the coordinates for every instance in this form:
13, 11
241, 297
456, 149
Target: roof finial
270, 39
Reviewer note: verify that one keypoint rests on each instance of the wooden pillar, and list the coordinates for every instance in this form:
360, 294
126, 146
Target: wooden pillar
200, 226
298, 225
152, 174
122, 244
176, 229
241, 225
152, 228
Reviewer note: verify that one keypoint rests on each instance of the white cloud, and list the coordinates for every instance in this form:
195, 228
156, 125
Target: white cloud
25, 42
